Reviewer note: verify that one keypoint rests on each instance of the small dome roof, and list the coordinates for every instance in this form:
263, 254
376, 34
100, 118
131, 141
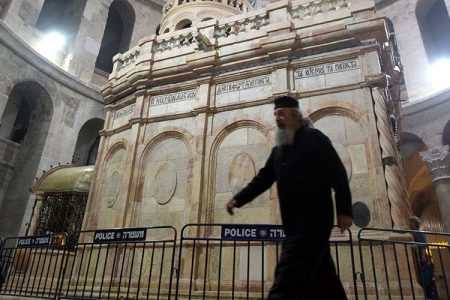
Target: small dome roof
65, 179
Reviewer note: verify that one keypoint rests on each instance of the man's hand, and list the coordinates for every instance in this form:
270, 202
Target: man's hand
344, 222
231, 205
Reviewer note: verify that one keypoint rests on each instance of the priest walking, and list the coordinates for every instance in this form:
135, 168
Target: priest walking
306, 168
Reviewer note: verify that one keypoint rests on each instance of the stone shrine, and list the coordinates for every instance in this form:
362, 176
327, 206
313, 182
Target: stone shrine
189, 116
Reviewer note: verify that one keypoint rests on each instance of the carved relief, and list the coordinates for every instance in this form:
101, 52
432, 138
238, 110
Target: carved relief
242, 152
165, 173
242, 170
161, 182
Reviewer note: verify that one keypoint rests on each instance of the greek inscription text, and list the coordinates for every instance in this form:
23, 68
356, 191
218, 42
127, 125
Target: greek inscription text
124, 111
244, 84
172, 98
326, 69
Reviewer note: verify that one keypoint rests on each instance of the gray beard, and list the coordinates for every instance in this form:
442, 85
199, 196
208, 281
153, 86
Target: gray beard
285, 136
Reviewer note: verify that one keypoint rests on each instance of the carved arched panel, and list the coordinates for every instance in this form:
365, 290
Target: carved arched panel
112, 193
239, 156
165, 184
349, 139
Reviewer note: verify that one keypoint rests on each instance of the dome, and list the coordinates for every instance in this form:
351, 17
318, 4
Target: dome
181, 14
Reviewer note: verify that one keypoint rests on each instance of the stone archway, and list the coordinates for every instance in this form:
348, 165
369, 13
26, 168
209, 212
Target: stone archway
87, 144
433, 19
238, 152
25, 124
117, 35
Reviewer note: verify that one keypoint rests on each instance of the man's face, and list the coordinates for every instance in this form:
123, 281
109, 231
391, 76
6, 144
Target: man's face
415, 225
285, 117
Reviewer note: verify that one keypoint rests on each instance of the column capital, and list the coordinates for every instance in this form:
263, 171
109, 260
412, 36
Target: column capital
438, 161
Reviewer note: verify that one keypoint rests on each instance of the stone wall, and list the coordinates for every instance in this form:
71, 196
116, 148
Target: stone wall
83, 47
427, 119
62, 104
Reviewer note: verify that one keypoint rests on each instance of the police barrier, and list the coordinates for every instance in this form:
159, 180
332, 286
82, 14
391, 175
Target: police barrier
130, 263
227, 261
404, 264
33, 266
217, 261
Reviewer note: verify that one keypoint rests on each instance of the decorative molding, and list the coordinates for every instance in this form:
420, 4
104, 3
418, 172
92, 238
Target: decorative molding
243, 25
310, 9
176, 42
130, 58
438, 161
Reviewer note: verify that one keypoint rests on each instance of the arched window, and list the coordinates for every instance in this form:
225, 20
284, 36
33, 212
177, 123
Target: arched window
117, 35
183, 24
87, 143
63, 16
16, 119
434, 23
26, 122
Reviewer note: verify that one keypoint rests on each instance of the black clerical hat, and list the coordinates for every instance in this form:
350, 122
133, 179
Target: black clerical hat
285, 101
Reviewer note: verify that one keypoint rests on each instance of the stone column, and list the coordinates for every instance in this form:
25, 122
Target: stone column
399, 207
438, 161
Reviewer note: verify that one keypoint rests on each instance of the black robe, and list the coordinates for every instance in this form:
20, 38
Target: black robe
305, 173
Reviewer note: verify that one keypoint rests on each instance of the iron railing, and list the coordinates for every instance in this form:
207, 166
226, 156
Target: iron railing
33, 266
128, 263
395, 266
240, 265
215, 261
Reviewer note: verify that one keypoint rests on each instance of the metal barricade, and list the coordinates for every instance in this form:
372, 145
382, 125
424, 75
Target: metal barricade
33, 265
395, 266
228, 261
127, 263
